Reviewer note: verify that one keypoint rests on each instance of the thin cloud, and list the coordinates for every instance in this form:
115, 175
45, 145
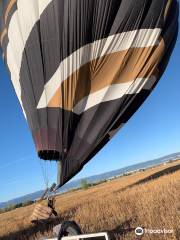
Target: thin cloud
16, 161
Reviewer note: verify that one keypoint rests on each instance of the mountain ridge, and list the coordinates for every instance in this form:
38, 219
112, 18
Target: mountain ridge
95, 178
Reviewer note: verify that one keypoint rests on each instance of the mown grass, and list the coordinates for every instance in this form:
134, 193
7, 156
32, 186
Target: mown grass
149, 199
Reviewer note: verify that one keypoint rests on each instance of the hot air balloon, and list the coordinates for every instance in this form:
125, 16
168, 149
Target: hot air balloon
81, 68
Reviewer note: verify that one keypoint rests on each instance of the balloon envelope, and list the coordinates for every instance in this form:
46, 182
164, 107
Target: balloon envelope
81, 68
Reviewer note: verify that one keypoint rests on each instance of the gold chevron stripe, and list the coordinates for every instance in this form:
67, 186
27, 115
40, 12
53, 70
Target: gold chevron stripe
3, 34
111, 69
8, 9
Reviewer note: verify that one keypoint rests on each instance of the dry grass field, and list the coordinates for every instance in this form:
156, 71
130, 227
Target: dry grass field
150, 199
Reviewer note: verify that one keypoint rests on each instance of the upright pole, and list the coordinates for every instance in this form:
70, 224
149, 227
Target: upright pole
59, 172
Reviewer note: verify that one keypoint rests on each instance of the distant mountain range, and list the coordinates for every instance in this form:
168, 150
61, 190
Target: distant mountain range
96, 178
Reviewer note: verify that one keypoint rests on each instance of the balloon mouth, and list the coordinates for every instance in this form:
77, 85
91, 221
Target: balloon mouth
49, 154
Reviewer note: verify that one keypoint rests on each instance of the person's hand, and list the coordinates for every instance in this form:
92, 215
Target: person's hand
41, 212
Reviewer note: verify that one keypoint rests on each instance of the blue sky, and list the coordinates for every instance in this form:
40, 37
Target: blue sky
152, 132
